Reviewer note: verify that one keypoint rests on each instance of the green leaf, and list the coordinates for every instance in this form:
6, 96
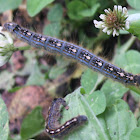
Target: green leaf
134, 3
134, 21
113, 91
36, 77
4, 121
124, 32
97, 101
9, 4
115, 123
52, 29
15, 89
7, 80
56, 13
33, 124
135, 135
35, 6
74, 9
90, 11
118, 121
90, 80
133, 11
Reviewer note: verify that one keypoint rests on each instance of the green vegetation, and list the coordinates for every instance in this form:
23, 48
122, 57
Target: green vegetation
101, 100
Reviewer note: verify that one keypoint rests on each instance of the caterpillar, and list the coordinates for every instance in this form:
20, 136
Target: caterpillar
73, 51
53, 128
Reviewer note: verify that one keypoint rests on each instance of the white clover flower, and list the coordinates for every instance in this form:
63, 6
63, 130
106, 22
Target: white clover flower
113, 21
102, 16
98, 24
5, 46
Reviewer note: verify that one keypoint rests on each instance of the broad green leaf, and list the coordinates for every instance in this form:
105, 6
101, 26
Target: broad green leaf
74, 9
90, 11
4, 121
113, 91
36, 77
97, 101
124, 32
118, 121
134, 3
133, 11
115, 123
33, 124
56, 13
134, 21
35, 6
135, 135
9, 4
90, 80
7, 80
52, 29
78, 105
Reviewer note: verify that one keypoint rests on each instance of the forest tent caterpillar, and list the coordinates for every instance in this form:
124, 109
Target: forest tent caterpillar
68, 49
53, 128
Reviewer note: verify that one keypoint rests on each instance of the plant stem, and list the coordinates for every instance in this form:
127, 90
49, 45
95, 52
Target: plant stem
22, 48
